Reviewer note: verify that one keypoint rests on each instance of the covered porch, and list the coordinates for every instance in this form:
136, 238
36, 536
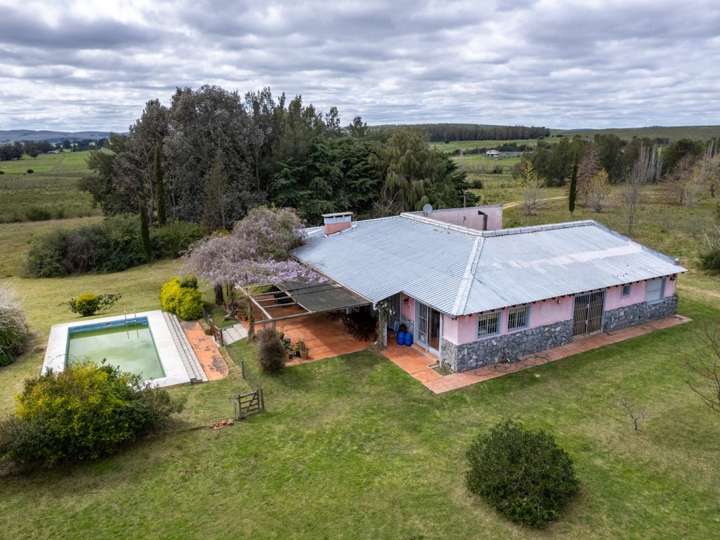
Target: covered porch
311, 313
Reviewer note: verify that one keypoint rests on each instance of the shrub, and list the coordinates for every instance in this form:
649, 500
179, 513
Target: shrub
710, 260
523, 474
88, 304
189, 304
183, 301
476, 184
361, 323
189, 282
111, 246
271, 351
30, 171
37, 214
173, 239
14, 332
86, 412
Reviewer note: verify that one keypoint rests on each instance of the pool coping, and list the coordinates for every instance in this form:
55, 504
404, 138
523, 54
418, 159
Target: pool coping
168, 353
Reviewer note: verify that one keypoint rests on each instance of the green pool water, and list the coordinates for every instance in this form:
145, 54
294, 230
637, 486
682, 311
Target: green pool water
130, 347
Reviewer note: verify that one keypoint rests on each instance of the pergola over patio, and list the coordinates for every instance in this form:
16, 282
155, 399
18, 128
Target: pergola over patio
294, 299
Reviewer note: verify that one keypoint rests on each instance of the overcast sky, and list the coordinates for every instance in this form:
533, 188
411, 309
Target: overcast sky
91, 65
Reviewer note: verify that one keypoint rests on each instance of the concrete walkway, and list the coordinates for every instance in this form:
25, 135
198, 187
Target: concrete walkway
416, 363
233, 333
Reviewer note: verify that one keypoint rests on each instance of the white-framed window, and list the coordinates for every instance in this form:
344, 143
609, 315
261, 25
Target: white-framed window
518, 317
626, 290
488, 324
654, 290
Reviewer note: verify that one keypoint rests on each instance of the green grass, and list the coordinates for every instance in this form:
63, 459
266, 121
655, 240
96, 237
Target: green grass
352, 447
15, 239
51, 188
485, 143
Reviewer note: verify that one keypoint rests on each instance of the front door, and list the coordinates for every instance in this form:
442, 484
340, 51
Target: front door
427, 327
588, 313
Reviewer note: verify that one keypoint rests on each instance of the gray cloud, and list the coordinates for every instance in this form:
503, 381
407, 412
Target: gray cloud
569, 64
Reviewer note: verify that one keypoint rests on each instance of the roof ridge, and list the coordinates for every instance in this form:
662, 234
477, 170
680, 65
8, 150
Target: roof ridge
539, 228
437, 223
468, 276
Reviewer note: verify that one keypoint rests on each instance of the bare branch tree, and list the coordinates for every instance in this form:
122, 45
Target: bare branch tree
644, 169
635, 414
705, 370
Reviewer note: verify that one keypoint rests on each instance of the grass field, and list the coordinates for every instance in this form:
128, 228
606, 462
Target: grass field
488, 143
49, 192
352, 447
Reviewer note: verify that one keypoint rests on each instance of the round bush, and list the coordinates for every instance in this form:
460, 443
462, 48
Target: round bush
185, 302
189, 304
710, 260
85, 304
523, 474
86, 412
271, 351
14, 332
88, 304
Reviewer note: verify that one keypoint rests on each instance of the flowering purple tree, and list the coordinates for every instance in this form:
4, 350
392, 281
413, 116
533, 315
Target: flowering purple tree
257, 252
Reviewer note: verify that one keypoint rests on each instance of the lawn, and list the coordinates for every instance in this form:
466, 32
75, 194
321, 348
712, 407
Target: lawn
50, 191
352, 447
451, 146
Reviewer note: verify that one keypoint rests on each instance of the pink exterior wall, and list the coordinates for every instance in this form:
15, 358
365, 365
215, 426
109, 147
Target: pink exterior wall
407, 307
468, 217
614, 298
463, 329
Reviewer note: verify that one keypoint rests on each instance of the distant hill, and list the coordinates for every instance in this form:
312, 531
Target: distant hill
24, 135
653, 132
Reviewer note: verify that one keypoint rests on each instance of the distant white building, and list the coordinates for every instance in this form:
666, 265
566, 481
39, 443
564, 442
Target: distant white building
492, 153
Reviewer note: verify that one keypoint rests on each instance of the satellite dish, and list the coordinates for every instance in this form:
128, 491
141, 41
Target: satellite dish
427, 209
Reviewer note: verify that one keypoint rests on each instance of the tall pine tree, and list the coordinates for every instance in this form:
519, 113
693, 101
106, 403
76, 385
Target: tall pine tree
572, 196
159, 187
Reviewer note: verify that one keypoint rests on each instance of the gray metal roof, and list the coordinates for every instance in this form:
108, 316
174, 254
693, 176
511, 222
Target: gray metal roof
461, 271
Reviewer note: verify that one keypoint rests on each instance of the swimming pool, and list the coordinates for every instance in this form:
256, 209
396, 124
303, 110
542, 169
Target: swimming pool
129, 345
151, 344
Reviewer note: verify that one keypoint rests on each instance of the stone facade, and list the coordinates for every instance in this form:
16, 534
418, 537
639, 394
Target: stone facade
634, 314
510, 347
506, 347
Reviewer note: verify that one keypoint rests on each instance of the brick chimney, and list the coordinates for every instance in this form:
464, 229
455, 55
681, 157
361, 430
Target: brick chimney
336, 222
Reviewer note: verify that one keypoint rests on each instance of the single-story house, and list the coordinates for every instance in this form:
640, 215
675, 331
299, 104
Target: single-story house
492, 153
474, 294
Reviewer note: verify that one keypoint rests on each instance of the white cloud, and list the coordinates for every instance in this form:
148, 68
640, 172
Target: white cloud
560, 64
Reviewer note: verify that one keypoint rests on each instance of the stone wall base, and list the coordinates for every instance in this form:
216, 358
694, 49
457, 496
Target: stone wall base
511, 347
505, 348
634, 314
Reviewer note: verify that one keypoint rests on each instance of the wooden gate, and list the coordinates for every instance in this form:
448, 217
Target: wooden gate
588, 313
248, 404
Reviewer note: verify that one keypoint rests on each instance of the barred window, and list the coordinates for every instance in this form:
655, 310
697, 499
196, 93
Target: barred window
626, 290
488, 324
518, 317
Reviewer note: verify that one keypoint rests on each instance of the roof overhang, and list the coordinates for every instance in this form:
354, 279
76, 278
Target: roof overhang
294, 299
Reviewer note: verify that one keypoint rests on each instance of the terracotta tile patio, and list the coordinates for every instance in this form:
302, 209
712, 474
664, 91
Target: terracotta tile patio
324, 336
206, 350
416, 362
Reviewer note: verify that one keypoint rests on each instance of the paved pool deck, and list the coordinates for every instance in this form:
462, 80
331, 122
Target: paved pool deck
417, 362
206, 350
